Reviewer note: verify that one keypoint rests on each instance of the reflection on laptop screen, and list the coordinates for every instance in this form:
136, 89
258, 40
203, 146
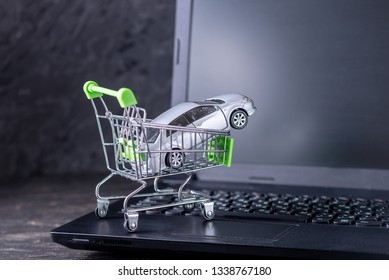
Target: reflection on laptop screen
318, 72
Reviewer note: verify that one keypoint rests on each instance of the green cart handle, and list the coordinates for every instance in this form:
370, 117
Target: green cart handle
125, 96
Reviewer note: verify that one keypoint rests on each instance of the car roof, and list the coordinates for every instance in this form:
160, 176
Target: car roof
227, 97
171, 114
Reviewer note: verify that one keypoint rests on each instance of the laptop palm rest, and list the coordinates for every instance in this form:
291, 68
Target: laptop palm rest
231, 231
192, 229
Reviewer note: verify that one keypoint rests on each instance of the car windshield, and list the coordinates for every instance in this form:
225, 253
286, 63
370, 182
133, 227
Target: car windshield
152, 134
207, 102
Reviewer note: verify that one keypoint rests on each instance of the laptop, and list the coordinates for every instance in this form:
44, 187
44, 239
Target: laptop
310, 172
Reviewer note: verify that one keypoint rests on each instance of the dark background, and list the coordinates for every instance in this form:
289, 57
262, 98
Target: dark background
48, 49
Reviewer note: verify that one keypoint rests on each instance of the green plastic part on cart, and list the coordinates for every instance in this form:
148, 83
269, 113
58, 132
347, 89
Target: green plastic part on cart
224, 143
90, 94
128, 150
125, 96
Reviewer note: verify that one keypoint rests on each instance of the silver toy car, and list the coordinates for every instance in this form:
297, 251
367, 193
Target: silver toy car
217, 113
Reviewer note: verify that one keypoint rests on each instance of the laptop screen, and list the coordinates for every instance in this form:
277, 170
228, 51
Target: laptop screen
318, 72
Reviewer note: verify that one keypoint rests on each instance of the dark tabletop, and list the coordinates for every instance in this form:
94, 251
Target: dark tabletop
30, 209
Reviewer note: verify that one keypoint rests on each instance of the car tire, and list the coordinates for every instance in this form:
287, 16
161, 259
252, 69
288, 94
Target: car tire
175, 159
238, 119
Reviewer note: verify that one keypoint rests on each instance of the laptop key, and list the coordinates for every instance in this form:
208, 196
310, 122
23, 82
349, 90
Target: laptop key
321, 220
154, 212
369, 224
262, 211
370, 218
344, 221
223, 208
174, 211
241, 210
385, 220
303, 213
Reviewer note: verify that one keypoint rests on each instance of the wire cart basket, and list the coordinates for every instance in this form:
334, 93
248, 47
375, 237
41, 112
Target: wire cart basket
138, 149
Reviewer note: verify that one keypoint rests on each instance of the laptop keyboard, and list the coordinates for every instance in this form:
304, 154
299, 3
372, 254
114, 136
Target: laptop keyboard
341, 211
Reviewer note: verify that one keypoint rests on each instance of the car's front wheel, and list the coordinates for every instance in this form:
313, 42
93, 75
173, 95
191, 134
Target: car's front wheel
238, 119
175, 159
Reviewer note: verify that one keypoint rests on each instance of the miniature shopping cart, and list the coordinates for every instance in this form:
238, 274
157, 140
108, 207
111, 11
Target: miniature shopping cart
138, 149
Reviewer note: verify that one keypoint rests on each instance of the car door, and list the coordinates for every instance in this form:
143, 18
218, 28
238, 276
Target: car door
207, 117
177, 138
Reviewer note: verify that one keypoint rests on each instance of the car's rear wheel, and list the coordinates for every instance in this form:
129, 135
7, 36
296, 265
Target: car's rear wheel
238, 119
175, 159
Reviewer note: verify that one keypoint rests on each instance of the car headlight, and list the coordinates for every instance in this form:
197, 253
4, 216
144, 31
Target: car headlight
245, 98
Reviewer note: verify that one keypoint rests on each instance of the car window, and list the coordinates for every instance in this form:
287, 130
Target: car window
152, 134
180, 121
199, 112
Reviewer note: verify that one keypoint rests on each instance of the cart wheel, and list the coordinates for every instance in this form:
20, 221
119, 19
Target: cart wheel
189, 207
238, 119
207, 210
131, 221
175, 159
102, 208
100, 213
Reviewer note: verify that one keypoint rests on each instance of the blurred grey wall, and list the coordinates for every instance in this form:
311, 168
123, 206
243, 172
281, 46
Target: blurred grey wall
48, 49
